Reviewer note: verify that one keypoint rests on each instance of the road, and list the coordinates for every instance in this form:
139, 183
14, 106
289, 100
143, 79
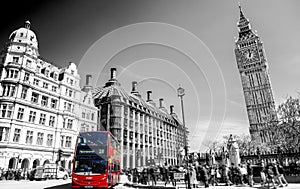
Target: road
26, 184
66, 184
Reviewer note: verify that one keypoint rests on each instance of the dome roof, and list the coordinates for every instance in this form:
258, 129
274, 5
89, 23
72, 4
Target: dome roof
24, 35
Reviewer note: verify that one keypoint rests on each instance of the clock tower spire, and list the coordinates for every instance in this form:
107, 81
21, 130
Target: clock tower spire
253, 68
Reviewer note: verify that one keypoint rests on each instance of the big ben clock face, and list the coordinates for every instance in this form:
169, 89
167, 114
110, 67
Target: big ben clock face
250, 55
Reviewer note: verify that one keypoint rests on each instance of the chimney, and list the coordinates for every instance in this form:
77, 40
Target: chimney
87, 79
134, 83
113, 73
161, 100
172, 109
148, 96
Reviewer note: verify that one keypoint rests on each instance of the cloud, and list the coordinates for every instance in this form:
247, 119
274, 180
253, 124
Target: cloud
229, 126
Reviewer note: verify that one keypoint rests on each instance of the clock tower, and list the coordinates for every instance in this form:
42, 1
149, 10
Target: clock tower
253, 67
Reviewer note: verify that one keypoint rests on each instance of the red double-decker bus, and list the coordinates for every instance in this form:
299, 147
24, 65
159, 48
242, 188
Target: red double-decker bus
96, 161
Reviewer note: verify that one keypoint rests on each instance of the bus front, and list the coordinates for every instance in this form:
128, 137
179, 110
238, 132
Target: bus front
90, 161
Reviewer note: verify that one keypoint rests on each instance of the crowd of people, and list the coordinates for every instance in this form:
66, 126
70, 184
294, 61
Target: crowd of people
14, 174
271, 174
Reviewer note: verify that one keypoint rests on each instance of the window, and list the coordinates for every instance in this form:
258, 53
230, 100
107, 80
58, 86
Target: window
28, 63
42, 119
70, 93
16, 59
51, 121
9, 90
32, 116
47, 73
70, 123
68, 141
62, 138
45, 85
72, 72
83, 114
49, 139
44, 101
26, 76
131, 135
71, 81
6, 110
53, 103
12, 73
38, 69
36, 81
68, 106
92, 117
20, 113
34, 97
24, 92
29, 137
17, 135
55, 76
39, 140
3, 134
54, 88
88, 115
83, 127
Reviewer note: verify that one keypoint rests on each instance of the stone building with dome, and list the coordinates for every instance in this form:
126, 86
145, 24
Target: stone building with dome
41, 105
147, 132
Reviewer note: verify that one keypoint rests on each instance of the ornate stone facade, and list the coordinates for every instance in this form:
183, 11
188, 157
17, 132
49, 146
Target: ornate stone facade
253, 67
40, 105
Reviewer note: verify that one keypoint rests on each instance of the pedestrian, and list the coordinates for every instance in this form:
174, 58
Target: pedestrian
166, 174
213, 175
243, 173
152, 175
203, 176
281, 176
226, 173
263, 173
276, 174
270, 175
171, 174
250, 173
240, 172
193, 179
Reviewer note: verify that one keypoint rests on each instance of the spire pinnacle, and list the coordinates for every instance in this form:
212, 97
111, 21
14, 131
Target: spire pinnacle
27, 24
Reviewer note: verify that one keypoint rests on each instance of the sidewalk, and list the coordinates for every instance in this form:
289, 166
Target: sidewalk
181, 185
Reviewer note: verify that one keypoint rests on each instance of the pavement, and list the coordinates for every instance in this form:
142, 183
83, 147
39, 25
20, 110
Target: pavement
181, 185
125, 184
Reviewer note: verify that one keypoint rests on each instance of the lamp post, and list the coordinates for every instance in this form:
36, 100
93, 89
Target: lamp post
181, 93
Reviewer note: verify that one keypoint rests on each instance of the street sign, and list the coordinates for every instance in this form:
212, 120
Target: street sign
179, 176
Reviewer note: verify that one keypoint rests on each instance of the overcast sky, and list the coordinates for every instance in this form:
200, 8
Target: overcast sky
166, 43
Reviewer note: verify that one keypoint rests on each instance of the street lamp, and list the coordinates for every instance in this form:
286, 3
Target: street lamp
181, 93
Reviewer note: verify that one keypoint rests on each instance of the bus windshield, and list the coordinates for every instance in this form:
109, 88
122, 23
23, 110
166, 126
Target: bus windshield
90, 166
91, 154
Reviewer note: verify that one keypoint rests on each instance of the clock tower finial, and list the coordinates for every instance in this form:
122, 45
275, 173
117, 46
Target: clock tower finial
244, 25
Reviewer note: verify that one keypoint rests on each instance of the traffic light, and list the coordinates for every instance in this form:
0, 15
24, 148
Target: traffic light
60, 152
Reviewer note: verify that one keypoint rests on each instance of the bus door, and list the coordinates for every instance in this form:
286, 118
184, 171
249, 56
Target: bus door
109, 172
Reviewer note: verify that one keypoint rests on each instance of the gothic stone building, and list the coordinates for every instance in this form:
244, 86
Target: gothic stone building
147, 133
253, 67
